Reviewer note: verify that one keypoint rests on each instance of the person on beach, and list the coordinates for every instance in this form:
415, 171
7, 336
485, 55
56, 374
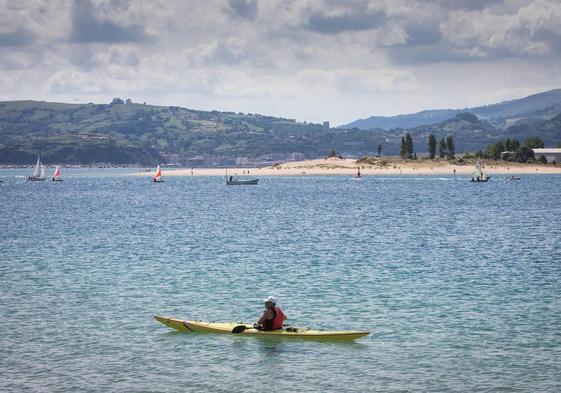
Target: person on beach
273, 318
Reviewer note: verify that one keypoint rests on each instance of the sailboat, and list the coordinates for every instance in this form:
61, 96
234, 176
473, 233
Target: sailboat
56, 175
158, 176
478, 175
38, 172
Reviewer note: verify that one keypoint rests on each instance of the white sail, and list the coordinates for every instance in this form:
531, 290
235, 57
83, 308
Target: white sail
37, 171
477, 170
42, 174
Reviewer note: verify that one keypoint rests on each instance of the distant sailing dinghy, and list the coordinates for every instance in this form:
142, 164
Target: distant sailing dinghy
478, 175
158, 176
38, 172
56, 175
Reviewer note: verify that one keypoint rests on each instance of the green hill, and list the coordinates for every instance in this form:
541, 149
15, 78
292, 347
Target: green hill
136, 133
143, 134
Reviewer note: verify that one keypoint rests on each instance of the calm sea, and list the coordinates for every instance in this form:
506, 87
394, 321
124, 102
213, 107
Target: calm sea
460, 283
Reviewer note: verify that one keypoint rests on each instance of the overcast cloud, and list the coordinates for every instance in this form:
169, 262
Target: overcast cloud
311, 60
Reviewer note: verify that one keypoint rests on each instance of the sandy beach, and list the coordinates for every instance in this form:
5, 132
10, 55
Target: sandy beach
377, 167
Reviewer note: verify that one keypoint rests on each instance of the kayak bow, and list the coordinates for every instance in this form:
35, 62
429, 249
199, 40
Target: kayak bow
228, 328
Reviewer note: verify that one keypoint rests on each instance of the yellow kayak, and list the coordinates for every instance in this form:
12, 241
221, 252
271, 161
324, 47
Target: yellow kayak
247, 329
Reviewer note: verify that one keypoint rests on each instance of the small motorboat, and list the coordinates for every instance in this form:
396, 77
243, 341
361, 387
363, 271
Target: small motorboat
513, 178
235, 181
232, 181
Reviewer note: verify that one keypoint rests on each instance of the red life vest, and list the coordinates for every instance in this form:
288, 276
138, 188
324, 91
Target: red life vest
278, 321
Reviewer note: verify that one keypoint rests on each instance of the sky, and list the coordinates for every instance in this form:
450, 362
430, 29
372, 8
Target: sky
309, 60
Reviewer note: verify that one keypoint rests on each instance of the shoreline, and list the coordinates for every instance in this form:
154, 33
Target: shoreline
349, 167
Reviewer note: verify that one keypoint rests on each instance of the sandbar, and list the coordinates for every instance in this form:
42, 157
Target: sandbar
377, 167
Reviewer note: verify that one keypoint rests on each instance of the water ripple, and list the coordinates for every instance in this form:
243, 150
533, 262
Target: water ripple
459, 283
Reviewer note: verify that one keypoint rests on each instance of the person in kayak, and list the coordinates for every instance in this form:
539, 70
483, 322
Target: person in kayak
273, 318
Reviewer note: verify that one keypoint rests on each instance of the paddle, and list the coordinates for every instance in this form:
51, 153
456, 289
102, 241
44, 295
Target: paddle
240, 329
243, 328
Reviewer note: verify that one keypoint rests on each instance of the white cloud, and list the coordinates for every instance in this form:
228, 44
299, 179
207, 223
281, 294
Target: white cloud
297, 58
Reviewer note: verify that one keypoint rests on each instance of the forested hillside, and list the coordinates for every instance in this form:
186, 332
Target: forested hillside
126, 133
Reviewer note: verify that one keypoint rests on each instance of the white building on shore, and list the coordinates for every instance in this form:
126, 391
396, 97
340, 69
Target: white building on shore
550, 154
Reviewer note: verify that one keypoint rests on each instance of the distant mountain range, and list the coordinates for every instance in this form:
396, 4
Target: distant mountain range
543, 105
127, 133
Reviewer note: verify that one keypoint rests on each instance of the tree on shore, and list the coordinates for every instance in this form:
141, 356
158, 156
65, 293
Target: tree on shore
494, 150
512, 150
379, 149
523, 154
534, 143
402, 148
511, 144
442, 148
432, 146
450, 148
409, 146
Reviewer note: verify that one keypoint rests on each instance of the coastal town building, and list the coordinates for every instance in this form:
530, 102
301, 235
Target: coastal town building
297, 156
172, 158
507, 153
242, 161
550, 154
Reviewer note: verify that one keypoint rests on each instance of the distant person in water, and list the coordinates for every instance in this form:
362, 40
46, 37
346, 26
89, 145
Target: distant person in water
273, 318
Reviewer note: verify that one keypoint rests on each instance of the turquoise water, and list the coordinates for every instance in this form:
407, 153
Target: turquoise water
458, 282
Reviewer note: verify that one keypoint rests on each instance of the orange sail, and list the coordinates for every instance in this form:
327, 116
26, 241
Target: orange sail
56, 175
158, 175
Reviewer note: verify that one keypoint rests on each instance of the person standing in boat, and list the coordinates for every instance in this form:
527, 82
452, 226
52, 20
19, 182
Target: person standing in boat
273, 318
